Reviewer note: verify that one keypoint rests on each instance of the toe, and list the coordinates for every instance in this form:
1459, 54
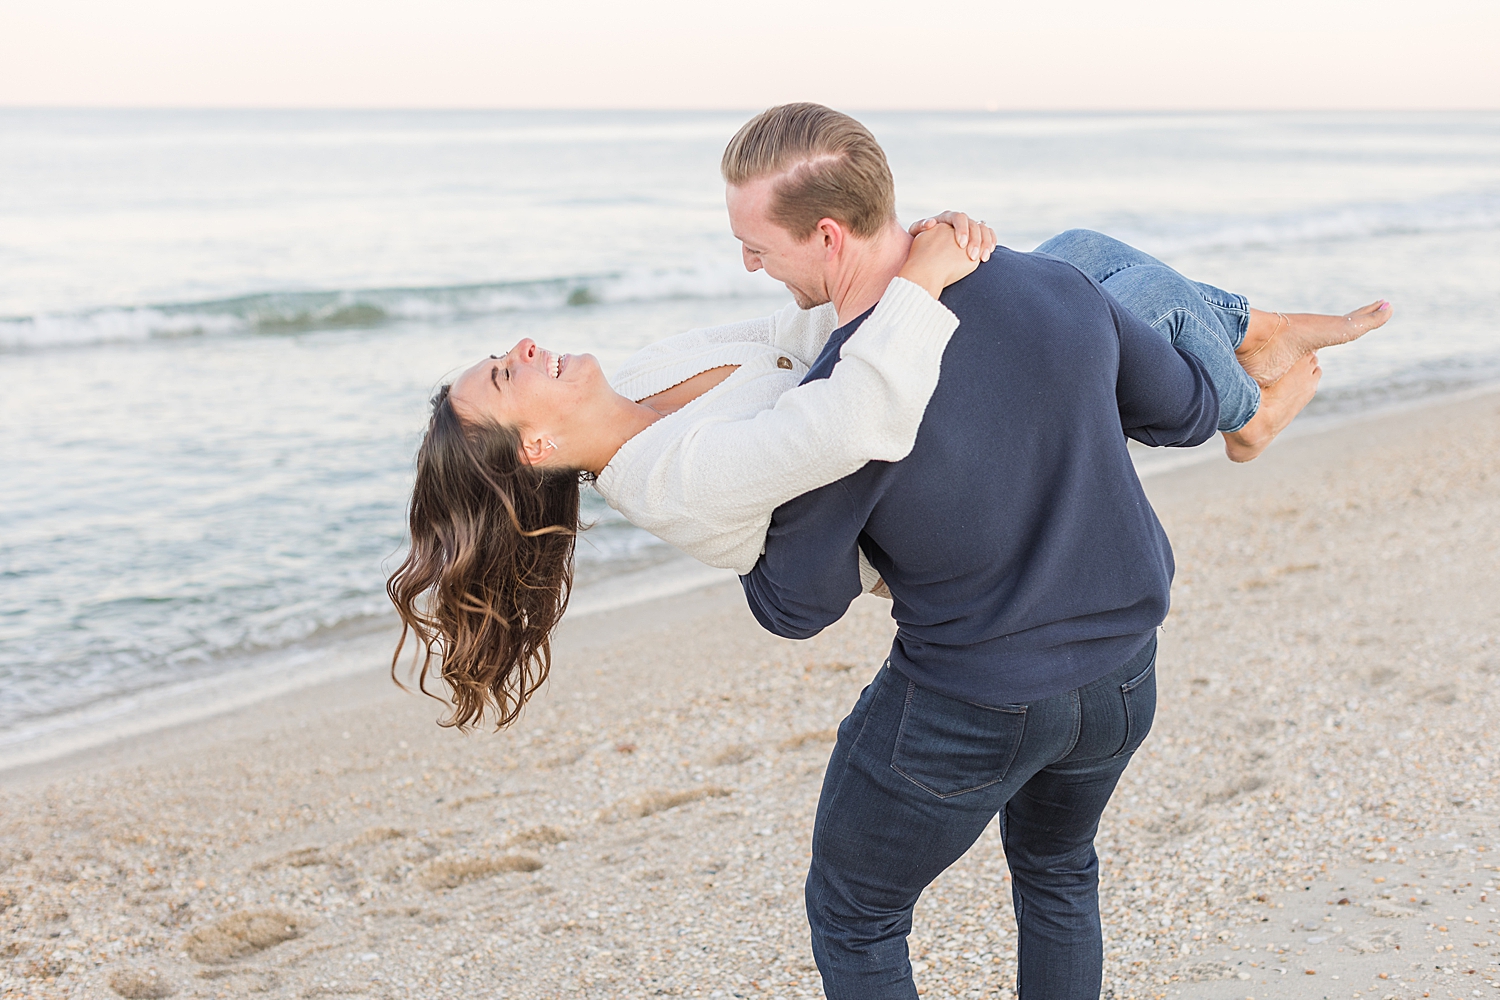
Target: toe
1371, 316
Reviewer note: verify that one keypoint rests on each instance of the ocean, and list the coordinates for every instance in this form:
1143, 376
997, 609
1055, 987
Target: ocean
219, 329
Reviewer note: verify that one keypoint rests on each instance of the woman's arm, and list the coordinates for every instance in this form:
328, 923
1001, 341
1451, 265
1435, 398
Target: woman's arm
724, 477
868, 409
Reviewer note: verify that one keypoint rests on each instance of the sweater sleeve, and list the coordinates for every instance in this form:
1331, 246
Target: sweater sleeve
1164, 394
812, 568
735, 472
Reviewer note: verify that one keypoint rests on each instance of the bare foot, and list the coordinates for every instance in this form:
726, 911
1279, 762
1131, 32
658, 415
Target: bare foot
1279, 404
1275, 341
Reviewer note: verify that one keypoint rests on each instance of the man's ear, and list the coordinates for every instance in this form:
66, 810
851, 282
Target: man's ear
533, 451
831, 232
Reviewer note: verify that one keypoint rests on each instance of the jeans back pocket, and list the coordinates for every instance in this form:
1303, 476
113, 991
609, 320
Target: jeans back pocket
1139, 695
949, 747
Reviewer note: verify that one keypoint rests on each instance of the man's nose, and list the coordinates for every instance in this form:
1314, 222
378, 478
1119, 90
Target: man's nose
752, 261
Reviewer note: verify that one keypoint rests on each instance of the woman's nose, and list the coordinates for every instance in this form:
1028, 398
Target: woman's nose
525, 350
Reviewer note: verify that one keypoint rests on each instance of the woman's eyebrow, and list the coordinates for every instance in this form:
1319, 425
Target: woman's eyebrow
494, 370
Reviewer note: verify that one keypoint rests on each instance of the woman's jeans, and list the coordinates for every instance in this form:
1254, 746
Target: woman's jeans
1207, 322
913, 782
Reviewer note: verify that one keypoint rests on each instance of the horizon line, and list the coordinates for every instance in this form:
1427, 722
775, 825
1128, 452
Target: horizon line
648, 109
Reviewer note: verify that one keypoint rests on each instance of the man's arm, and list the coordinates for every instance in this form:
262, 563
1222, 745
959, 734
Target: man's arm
809, 572
1165, 396
720, 478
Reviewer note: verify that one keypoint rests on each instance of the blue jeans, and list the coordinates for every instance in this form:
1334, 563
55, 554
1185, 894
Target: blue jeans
914, 780
1207, 322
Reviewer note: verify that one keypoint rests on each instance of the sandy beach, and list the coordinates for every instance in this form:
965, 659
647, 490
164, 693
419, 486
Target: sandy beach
1316, 813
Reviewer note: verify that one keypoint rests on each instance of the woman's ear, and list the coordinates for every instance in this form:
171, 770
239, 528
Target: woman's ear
534, 450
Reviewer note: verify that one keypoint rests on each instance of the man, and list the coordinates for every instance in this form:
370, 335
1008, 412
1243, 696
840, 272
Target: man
1028, 571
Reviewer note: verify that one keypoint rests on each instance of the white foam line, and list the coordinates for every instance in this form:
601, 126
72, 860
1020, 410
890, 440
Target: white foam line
175, 704
170, 705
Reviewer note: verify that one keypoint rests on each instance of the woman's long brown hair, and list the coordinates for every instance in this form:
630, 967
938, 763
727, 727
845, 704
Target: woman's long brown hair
490, 566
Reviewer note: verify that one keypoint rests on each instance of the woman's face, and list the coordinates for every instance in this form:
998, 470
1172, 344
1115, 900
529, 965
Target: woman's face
547, 397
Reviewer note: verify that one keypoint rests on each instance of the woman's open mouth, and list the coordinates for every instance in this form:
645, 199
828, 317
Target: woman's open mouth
556, 365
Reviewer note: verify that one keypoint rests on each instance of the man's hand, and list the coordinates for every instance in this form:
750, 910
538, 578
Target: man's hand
976, 237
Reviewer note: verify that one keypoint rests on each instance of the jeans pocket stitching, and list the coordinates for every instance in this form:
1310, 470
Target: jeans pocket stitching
949, 795
1125, 690
1138, 679
1017, 710
911, 689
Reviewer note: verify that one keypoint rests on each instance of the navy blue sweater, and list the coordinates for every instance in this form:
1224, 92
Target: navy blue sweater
1021, 551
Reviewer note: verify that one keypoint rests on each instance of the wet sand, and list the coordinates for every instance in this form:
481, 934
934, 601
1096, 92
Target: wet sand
1314, 815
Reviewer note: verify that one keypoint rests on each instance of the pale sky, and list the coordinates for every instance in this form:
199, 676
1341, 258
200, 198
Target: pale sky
856, 54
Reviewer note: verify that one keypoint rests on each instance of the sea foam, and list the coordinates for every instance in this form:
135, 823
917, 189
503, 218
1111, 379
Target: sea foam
303, 311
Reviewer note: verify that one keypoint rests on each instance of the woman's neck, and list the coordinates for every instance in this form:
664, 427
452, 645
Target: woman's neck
625, 419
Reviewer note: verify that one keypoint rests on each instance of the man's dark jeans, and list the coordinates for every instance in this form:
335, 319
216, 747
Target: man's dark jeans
912, 783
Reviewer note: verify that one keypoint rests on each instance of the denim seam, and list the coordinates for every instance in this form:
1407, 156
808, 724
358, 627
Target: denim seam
1236, 302
837, 781
911, 689
1125, 689
1077, 724
952, 795
1254, 387
1139, 678
1009, 707
880, 678
1184, 311
1243, 310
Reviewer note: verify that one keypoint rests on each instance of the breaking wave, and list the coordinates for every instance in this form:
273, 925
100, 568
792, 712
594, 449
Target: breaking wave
299, 312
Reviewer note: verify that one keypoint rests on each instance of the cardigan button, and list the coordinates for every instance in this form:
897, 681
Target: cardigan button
784, 363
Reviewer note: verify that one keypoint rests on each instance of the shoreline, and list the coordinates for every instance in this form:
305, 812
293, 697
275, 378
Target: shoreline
1313, 815
251, 680
300, 666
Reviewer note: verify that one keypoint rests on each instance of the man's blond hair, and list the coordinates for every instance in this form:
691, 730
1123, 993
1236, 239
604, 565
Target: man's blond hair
829, 167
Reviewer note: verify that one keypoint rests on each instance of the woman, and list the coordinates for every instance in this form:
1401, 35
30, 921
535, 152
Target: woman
702, 436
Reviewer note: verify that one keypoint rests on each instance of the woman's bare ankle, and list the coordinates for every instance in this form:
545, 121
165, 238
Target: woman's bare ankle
1274, 341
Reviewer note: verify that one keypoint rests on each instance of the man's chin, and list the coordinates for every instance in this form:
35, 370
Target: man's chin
805, 301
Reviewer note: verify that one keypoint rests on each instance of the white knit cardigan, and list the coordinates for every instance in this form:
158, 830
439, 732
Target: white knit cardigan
707, 477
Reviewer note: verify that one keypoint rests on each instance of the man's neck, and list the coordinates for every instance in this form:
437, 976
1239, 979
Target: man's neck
870, 267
